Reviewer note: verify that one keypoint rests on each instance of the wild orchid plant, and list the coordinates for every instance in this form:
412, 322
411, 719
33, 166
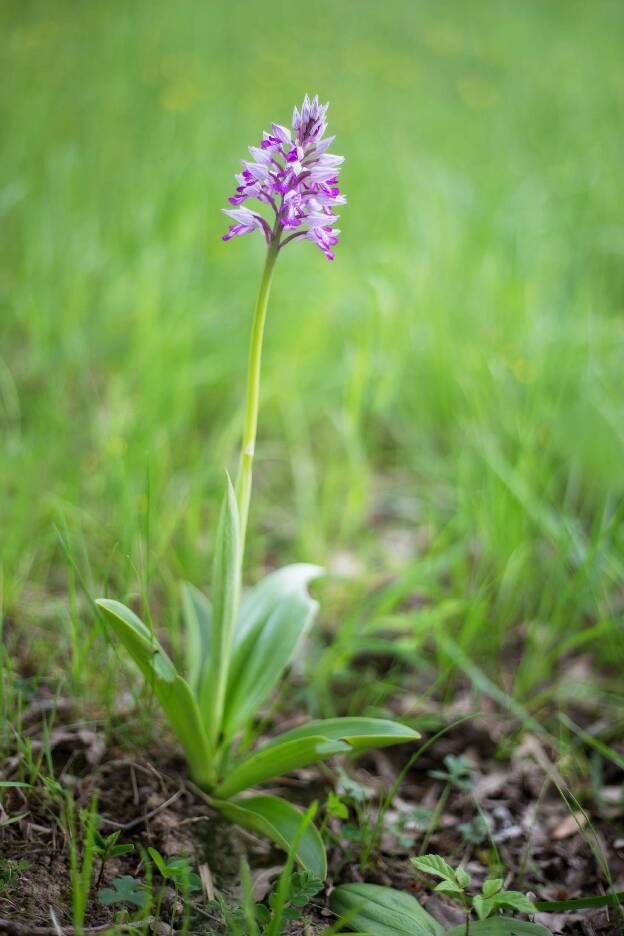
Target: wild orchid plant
238, 647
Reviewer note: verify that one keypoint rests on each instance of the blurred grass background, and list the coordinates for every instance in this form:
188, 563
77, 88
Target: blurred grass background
444, 403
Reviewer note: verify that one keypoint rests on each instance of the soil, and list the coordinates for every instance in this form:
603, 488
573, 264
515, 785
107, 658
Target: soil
548, 848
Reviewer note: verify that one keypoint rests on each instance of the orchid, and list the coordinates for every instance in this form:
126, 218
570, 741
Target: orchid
238, 646
293, 174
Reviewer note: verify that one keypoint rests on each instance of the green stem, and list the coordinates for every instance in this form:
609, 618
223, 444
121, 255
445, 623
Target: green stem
435, 818
243, 484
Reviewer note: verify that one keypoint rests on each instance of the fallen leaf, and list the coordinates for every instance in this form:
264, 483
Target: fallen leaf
569, 826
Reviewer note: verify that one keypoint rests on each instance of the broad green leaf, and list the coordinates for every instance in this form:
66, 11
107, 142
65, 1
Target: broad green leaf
448, 887
258, 603
500, 926
173, 692
483, 906
492, 886
382, 911
278, 760
435, 866
360, 733
124, 890
335, 806
310, 744
225, 596
514, 900
280, 821
197, 614
273, 618
118, 850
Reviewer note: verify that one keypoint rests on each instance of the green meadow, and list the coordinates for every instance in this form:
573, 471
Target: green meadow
442, 410
458, 369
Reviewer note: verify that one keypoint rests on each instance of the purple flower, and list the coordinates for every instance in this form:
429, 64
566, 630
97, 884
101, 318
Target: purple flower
293, 174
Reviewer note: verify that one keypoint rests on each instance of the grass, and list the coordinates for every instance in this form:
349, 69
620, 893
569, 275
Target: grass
458, 369
441, 407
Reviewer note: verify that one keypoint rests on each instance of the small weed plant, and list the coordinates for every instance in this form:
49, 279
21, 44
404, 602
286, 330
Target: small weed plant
107, 847
455, 883
383, 911
11, 871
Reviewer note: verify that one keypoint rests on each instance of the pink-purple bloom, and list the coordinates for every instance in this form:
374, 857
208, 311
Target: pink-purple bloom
293, 174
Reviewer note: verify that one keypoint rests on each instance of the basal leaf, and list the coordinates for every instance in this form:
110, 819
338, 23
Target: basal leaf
278, 760
360, 733
258, 603
310, 744
225, 597
500, 926
280, 821
197, 614
382, 911
272, 620
171, 690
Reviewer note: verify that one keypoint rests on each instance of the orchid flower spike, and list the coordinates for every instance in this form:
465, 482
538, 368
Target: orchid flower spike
293, 174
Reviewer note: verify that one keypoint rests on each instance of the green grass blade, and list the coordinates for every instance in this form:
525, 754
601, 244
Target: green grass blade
484, 684
604, 749
581, 903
